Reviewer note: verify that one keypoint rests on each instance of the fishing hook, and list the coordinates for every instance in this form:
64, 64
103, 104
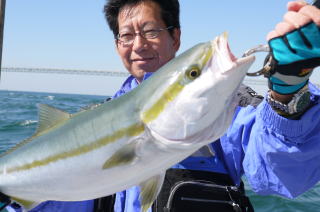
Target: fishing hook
266, 68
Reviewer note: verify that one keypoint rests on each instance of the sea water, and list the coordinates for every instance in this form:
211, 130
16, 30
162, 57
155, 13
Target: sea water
19, 119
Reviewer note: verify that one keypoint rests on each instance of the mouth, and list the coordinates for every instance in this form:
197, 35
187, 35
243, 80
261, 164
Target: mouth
142, 59
231, 56
223, 48
227, 58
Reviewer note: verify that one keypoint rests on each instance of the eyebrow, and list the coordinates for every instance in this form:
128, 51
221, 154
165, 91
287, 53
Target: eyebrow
129, 26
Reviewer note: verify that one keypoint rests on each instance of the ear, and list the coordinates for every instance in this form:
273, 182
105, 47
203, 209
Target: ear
176, 38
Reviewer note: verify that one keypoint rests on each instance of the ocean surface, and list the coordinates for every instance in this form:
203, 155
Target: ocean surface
18, 121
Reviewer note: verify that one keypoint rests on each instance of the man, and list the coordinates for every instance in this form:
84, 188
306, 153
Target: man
277, 150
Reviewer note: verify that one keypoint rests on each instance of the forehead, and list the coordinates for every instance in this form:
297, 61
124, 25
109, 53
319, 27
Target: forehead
146, 12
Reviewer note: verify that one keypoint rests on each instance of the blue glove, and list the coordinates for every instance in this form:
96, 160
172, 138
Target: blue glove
294, 56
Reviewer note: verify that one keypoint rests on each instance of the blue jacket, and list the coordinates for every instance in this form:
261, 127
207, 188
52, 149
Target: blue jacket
273, 153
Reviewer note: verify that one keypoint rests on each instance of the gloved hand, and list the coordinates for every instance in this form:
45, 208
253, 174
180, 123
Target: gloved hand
295, 48
294, 56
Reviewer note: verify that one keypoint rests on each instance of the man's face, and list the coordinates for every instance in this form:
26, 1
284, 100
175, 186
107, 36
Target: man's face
145, 55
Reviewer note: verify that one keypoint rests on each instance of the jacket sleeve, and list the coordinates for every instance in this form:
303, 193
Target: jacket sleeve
278, 155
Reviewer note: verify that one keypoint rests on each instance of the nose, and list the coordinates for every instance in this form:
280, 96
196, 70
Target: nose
139, 43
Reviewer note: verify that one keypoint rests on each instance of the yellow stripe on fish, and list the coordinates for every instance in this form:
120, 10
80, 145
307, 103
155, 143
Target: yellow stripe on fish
131, 131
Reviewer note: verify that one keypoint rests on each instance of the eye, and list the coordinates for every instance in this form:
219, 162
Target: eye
149, 34
193, 73
126, 36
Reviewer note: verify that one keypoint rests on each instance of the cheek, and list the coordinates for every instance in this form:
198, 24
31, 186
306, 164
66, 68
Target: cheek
124, 55
166, 53
165, 50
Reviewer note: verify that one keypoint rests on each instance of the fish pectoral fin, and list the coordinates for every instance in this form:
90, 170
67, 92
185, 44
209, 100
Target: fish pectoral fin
49, 117
26, 204
150, 190
126, 155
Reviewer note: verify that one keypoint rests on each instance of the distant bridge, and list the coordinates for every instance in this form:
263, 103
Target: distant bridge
91, 72
250, 81
65, 71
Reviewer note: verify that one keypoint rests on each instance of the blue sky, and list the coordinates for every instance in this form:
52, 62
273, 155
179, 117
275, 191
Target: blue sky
73, 34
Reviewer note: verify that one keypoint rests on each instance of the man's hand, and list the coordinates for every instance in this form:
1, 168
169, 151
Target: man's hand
295, 47
299, 14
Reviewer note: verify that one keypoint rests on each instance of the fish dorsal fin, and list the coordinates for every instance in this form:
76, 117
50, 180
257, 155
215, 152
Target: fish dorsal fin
150, 190
50, 117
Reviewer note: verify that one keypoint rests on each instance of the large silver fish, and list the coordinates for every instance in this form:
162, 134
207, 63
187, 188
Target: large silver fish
131, 140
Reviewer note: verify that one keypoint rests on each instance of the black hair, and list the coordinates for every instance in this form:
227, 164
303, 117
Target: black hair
170, 10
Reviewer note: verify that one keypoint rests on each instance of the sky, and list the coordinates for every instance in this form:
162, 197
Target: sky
73, 34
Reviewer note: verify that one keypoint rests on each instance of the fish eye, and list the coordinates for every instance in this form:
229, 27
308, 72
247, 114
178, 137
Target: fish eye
193, 73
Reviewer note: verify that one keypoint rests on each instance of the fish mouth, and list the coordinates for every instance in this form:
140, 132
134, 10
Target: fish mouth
227, 59
231, 55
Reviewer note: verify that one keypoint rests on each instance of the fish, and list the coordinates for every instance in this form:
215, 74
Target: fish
131, 140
